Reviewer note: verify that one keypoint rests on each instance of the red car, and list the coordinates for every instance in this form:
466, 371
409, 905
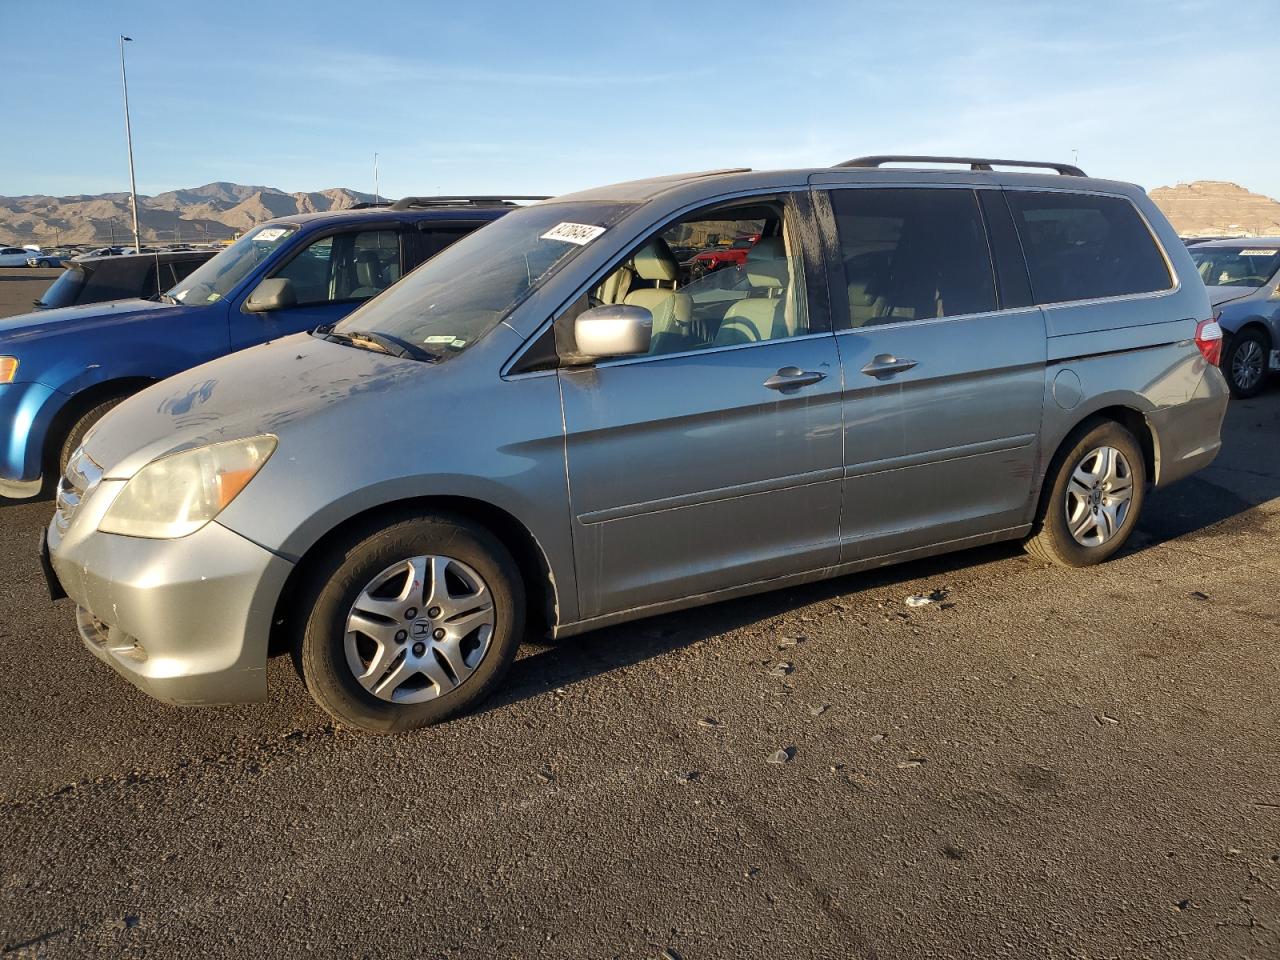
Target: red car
735, 254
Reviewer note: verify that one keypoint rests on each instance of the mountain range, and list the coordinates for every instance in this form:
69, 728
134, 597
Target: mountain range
219, 210
213, 211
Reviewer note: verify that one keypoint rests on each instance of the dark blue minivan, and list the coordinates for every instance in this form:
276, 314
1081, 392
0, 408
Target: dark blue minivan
61, 370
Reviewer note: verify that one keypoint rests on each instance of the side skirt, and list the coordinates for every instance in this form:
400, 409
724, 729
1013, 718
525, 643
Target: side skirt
791, 580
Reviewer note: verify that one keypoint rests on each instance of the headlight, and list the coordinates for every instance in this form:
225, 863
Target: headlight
178, 494
8, 369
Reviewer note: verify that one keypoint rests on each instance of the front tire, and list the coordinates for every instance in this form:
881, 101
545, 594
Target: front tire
83, 424
1244, 363
1096, 489
410, 624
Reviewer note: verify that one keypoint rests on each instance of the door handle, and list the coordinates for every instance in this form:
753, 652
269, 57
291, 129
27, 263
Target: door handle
789, 378
886, 365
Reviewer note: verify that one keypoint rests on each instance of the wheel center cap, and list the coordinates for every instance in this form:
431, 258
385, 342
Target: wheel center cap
420, 629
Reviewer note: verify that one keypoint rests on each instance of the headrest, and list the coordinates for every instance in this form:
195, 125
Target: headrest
861, 294
767, 263
654, 261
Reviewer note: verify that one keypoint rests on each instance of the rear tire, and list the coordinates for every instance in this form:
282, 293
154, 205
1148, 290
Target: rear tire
411, 668
75, 436
1244, 363
1092, 499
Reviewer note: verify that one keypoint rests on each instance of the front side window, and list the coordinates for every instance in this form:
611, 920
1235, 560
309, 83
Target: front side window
1082, 247
718, 278
459, 295
344, 266
219, 276
1240, 266
912, 254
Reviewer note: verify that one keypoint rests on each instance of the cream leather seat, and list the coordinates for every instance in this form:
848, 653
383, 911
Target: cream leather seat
671, 309
765, 316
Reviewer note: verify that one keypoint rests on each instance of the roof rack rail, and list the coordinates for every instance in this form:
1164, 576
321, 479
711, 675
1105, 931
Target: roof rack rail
976, 164
369, 204
411, 203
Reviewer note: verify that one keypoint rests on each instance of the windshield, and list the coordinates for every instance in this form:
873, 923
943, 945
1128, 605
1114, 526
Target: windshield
217, 278
1236, 266
460, 294
63, 291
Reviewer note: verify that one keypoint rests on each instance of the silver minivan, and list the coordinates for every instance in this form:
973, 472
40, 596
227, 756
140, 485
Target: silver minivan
559, 423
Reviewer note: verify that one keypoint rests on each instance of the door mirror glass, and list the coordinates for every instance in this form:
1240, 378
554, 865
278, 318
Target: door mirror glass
614, 330
273, 294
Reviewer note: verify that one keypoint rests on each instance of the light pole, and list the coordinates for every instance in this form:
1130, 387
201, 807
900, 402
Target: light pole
128, 137
376, 198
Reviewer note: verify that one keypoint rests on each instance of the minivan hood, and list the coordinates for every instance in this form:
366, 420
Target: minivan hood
253, 392
1219, 295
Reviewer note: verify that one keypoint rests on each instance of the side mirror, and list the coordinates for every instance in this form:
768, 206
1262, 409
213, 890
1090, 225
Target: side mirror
274, 294
614, 330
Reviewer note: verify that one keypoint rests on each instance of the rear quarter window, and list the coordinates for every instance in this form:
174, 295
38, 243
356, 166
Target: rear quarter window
1084, 247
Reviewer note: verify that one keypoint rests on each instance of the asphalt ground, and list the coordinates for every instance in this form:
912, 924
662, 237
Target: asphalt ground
1050, 763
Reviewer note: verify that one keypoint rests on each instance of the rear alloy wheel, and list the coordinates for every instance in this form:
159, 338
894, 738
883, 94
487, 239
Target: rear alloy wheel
1094, 494
1244, 362
411, 624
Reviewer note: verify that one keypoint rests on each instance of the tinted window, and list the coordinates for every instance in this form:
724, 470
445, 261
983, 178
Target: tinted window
437, 238
1082, 247
912, 254
65, 289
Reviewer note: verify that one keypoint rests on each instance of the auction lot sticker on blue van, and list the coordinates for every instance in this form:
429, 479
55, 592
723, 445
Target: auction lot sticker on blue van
579, 233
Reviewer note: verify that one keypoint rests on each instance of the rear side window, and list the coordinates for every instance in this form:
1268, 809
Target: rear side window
912, 254
1082, 247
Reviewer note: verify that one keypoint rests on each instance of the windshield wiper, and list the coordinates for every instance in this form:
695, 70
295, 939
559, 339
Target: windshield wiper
381, 342
393, 345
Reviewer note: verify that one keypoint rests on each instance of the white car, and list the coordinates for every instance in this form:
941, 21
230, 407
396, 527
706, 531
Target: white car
16, 256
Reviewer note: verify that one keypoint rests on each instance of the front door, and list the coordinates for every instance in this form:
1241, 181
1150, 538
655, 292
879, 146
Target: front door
944, 364
713, 461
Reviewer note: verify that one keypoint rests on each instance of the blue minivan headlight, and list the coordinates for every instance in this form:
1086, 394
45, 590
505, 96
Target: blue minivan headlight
178, 494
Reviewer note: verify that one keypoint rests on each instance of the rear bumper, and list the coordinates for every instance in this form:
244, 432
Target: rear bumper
1189, 435
26, 411
187, 620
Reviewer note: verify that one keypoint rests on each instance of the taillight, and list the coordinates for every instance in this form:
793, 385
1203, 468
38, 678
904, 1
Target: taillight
1209, 340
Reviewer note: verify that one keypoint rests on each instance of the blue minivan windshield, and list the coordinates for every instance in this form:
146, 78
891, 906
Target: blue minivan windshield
215, 279
460, 294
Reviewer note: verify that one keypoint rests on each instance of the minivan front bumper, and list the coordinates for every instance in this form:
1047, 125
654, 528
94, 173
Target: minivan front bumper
185, 620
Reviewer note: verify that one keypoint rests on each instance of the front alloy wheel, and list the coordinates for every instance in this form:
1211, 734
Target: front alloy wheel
1245, 363
419, 629
409, 621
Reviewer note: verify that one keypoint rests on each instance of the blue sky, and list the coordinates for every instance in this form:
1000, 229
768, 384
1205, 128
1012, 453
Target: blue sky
550, 97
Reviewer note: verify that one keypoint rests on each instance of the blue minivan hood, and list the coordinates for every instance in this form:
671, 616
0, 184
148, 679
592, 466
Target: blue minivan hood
62, 320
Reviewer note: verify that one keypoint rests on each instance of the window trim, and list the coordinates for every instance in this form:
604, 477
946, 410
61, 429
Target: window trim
797, 196
1174, 278
836, 267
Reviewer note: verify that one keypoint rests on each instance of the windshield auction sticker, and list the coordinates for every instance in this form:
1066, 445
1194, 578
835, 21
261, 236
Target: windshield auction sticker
1258, 253
274, 233
579, 233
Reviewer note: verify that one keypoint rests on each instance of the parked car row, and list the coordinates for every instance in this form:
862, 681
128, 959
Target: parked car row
550, 426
